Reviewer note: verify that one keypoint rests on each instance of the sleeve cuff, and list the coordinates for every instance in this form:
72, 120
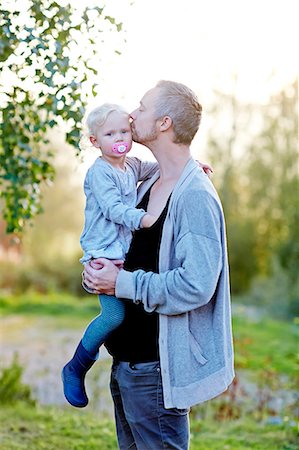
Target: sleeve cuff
141, 215
125, 287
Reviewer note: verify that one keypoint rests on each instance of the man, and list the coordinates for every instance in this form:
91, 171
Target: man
174, 348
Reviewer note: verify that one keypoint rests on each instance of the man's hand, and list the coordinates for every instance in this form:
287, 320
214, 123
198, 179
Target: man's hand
100, 275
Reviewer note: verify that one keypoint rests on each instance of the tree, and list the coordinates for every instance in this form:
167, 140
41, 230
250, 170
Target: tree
272, 173
255, 157
47, 52
274, 198
227, 143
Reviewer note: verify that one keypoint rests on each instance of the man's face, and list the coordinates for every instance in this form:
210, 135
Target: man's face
144, 122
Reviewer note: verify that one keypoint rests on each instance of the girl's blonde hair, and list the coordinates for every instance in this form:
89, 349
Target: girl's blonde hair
95, 119
98, 116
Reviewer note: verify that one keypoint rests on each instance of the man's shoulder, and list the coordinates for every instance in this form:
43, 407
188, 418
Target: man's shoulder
199, 182
198, 189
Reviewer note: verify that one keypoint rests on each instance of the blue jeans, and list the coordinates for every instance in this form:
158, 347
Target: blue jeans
142, 422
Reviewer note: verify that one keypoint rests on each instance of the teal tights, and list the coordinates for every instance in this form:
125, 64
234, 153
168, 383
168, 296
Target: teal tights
112, 315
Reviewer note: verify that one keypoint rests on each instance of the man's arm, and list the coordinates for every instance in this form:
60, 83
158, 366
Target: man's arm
178, 290
194, 281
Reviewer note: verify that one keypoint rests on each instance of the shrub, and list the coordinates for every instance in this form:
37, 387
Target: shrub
12, 388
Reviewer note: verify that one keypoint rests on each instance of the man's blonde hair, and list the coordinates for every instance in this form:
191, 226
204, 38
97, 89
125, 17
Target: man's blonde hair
181, 104
98, 116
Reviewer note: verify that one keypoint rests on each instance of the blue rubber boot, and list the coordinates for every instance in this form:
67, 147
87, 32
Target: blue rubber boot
73, 375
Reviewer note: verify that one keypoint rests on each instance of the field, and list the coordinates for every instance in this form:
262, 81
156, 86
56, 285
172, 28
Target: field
257, 412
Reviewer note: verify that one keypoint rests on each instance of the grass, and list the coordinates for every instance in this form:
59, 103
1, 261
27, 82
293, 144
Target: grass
24, 427
267, 343
258, 344
242, 434
53, 304
265, 350
54, 429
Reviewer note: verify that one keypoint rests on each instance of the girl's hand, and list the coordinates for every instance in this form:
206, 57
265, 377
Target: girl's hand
100, 275
97, 264
206, 168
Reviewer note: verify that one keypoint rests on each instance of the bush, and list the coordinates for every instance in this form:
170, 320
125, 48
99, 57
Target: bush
277, 294
12, 390
42, 277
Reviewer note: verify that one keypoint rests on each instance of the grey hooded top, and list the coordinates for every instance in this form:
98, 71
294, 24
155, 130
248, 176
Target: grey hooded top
110, 213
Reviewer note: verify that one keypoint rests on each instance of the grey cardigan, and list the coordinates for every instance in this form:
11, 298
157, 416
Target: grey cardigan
191, 293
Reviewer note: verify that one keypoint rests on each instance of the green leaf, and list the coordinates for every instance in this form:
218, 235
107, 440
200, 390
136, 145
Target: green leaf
44, 46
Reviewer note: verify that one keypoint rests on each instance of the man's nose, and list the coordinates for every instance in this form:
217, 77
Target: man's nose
132, 115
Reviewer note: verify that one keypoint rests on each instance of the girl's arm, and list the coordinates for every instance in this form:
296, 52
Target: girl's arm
146, 169
108, 197
142, 169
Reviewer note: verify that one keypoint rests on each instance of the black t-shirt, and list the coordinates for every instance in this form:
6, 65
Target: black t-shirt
136, 339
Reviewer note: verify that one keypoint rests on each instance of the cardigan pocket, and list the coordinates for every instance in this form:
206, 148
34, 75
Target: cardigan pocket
196, 350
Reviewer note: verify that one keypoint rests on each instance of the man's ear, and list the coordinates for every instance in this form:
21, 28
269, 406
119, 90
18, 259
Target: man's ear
165, 123
93, 140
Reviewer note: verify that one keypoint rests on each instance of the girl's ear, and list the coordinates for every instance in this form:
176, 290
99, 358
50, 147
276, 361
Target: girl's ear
93, 140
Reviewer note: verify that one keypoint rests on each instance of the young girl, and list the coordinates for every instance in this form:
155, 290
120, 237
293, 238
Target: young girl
110, 218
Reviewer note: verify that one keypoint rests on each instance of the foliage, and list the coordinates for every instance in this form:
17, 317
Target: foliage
52, 304
43, 277
277, 294
50, 249
256, 174
12, 389
60, 225
47, 55
272, 174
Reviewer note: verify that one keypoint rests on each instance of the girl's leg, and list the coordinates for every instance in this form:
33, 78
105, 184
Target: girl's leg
112, 315
73, 376
73, 373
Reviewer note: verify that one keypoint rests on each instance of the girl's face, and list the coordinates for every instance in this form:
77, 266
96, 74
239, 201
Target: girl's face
116, 129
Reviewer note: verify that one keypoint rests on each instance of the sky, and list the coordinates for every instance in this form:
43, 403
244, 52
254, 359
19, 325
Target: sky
204, 44
248, 47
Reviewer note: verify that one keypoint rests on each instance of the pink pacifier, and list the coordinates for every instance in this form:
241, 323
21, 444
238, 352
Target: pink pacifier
120, 147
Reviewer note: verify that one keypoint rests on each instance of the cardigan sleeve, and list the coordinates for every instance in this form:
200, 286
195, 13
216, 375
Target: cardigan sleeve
198, 262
